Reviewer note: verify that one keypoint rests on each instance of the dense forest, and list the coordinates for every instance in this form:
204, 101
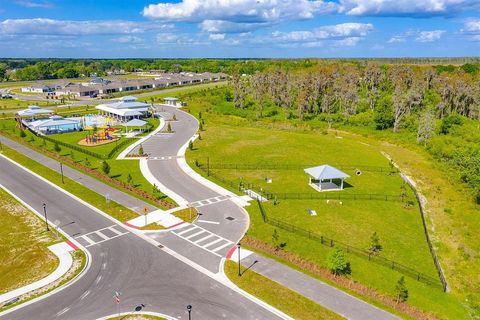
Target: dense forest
39, 69
438, 106
58, 69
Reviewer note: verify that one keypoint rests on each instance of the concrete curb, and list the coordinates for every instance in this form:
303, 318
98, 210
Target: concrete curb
123, 154
151, 178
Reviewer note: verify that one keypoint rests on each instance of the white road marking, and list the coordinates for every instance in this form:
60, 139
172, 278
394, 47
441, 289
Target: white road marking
104, 266
85, 295
213, 242
98, 279
187, 230
101, 235
221, 247
62, 312
114, 230
106, 239
205, 238
90, 241
195, 234
208, 221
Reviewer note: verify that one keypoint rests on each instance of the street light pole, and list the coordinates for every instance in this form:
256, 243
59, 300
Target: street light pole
239, 271
61, 171
45, 214
189, 309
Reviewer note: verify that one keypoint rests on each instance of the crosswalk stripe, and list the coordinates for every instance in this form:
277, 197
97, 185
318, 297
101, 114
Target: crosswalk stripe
221, 247
90, 241
101, 235
195, 234
186, 230
213, 242
204, 238
114, 230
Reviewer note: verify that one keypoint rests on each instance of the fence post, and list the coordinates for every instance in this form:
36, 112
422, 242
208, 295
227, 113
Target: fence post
208, 166
331, 243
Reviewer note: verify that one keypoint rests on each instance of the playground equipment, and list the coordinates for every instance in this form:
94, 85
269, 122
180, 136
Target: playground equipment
100, 136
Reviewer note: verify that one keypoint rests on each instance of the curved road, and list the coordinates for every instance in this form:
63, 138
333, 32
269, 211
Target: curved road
121, 261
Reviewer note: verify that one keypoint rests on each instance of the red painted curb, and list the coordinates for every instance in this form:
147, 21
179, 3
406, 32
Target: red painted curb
131, 225
176, 225
230, 252
71, 244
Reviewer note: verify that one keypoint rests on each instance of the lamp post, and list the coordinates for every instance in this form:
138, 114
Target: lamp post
189, 309
45, 214
61, 171
239, 271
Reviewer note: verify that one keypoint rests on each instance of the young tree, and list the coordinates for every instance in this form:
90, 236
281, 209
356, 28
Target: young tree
401, 290
169, 127
105, 167
129, 179
190, 145
56, 147
375, 246
275, 239
140, 150
337, 262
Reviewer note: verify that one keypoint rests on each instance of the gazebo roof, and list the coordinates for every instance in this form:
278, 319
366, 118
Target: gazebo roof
170, 99
325, 172
135, 123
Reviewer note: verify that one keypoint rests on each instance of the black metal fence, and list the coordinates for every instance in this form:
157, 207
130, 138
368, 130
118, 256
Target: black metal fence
265, 166
331, 196
362, 253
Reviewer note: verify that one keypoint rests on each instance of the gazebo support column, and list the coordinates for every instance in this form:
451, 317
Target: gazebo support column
341, 185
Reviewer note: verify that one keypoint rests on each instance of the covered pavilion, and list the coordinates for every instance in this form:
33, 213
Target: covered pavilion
326, 178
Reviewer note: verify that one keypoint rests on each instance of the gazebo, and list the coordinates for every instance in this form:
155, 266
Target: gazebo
135, 123
326, 178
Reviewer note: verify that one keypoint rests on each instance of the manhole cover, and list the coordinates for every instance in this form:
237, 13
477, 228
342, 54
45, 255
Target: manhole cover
230, 218
160, 246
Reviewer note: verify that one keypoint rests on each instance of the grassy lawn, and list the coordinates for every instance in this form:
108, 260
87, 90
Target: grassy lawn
187, 215
234, 137
6, 104
23, 246
280, 297
120, 169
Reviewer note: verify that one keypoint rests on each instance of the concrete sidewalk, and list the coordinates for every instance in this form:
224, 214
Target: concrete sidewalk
325, 295
93, 184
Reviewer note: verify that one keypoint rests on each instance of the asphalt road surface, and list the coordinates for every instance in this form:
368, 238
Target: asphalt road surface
142, 272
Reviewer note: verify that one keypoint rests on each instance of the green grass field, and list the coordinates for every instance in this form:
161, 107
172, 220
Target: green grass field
229, 138
8, 104
23, 246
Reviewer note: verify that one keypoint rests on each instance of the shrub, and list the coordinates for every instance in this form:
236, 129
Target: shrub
22, 134
56, 147
105, 167
190, 145
169, 127
140, 150
375, 246
401, 291
337, 262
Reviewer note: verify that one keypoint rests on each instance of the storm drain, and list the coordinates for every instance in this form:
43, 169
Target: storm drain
230, 218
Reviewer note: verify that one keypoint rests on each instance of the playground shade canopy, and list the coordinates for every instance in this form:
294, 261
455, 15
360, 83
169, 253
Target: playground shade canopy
326, 172
32, 111
135, 123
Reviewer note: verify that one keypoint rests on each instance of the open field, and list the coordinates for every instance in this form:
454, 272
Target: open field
23, 246
286, 300
7, 104
232, 136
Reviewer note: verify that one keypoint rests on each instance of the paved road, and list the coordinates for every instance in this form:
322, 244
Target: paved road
93, 184
142, 272
206, 243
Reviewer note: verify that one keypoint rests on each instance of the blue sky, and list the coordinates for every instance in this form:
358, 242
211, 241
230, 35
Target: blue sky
239, 28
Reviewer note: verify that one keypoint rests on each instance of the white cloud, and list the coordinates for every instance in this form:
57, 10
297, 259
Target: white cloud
216, 36
397, 39
332, 32
34, 4
429, 36
180, 39
41, 26
128, 39
406, 7
472, 29
224, 16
